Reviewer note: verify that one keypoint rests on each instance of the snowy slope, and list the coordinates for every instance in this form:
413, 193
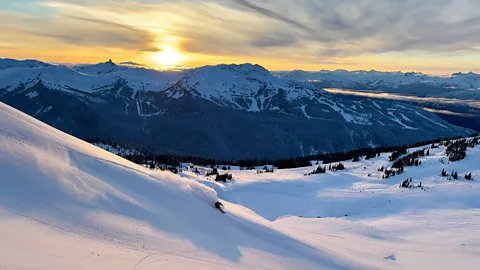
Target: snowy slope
368, 219
66, 204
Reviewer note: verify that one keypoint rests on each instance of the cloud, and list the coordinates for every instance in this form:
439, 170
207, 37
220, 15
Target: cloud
273, 15
79, 31
353, 27
330, 28
301, 31
279, 39
131, 63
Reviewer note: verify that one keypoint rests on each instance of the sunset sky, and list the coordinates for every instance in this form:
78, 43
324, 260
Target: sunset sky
432, 36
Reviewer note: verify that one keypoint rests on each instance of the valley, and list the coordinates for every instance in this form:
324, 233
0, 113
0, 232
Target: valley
464, 113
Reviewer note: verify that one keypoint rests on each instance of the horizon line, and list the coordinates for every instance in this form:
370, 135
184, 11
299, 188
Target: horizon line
180, 68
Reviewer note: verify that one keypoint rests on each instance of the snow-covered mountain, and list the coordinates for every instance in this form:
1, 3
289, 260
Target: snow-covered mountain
66, 204
399, 82
12, 63
230, 111
100, 68
246, 86
85, 78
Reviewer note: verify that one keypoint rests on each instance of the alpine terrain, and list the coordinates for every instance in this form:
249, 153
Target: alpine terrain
66, 204
224, 111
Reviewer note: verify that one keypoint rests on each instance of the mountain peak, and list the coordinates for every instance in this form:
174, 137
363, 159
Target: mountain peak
110, 62
245, 68
100, 68
464, 74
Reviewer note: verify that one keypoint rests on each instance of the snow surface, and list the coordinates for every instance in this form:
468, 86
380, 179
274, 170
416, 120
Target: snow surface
66, 204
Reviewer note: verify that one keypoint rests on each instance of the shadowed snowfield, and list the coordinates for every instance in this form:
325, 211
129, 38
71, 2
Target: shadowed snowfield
66, 204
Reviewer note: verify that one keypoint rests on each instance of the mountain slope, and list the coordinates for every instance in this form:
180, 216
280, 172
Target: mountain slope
82, 207
224, 111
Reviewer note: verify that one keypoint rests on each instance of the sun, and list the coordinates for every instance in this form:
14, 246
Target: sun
168, 57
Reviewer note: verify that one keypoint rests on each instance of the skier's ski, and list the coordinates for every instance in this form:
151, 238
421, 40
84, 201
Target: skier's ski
221, 209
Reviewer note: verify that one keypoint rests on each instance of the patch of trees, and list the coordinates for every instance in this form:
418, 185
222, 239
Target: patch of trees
220, 177
457, 150
223, 177
336, 167
391, 172
452, 176
398, 167
266, 170
474, 142
292, 163
397, 153
407, 183
409, 160
323, 169
214, 171
319, 170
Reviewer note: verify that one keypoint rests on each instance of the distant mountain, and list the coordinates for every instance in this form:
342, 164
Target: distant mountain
224, 111
12, 63
397, 82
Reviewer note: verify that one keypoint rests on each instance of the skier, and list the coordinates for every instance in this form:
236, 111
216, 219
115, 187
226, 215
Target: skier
219, 206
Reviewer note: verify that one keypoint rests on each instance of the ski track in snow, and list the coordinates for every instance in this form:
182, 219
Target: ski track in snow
395, 119
303, 108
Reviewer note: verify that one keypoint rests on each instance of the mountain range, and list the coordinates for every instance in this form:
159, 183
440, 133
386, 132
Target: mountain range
458, 85
224, 111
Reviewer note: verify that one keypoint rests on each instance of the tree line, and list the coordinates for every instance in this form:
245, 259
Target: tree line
143, 156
